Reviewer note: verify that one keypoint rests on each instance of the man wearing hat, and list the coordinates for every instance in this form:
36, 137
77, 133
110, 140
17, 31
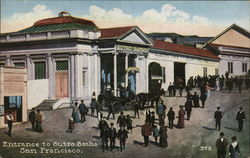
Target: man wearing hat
104, 131
146, 131
121, 120
122, 136
218, 118
240, 117
221, 145
32, 118
112, 136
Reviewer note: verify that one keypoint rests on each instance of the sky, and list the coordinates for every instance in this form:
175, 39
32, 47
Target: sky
203, 18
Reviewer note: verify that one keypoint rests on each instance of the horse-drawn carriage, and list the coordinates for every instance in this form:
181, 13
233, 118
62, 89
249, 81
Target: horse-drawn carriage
118, 103
127, 103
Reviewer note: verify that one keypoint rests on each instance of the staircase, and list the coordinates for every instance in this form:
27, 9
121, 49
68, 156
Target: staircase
47, 104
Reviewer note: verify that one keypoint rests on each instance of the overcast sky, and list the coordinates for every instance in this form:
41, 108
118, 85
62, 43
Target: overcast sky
202, 18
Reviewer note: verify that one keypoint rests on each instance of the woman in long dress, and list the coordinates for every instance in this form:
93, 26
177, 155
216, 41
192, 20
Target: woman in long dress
181, 117
75, 113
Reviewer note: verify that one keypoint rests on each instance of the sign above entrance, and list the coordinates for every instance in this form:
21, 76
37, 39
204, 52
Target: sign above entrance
156, 77
132, 48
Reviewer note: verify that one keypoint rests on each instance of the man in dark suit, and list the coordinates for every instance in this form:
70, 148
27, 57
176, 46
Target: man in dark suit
146, 132
221, 145
83, 111
171, 117
188, 108
240, 117
121, 120
111, 110
136, 109
112, 136
122, 136
218, 118
32, 118
104, 133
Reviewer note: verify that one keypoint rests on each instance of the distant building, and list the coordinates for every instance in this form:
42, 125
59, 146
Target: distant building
233, 48
194, 41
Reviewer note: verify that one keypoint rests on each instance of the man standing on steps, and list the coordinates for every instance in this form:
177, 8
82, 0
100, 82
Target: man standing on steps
221, 145
83, 111
240, 117
218, 118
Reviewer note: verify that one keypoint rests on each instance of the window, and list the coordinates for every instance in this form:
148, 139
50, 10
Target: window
230, 67
244, 67
21, 64
2, 64
216, 71
40, 70
204, 71
163, 75
13, 101
61, 65
84, 78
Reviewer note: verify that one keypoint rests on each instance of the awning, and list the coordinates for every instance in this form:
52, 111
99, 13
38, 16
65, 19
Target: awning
136, 69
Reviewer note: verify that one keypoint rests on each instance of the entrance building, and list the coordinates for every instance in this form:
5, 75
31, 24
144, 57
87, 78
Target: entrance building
68, 58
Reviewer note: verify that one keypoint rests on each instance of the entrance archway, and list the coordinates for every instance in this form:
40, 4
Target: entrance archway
154, 76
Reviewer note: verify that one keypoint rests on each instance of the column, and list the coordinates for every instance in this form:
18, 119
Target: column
90, 77
96, 73
138, 74
51, 73
115, 74
76, 75
72, 77
69, 77
126, 68
146, 75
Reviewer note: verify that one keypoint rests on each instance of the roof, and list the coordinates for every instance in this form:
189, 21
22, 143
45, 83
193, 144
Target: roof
218, 45
167, 46
114, 32
56, 27
233, 26
63, 20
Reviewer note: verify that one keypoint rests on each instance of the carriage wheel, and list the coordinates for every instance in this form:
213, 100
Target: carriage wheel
117, 106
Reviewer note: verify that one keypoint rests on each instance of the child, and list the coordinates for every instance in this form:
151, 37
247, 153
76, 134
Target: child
152, 119
71, 125
155, 133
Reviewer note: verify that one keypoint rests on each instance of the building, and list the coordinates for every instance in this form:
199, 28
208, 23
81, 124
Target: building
192, 40
13, 93
182, 61
68, 58
233, 48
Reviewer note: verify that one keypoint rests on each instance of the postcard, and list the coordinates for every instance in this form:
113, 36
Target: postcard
101, 79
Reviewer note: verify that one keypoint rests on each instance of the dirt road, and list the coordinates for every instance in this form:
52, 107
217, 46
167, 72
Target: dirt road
196, 140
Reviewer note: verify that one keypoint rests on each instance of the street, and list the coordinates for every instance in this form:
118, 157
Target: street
196, 140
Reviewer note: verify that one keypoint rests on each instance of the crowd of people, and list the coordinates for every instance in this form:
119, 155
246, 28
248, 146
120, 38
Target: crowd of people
157, 129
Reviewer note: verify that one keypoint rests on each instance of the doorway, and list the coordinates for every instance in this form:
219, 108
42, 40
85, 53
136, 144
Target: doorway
155, 77
179, 71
